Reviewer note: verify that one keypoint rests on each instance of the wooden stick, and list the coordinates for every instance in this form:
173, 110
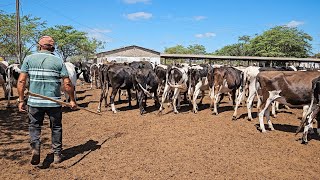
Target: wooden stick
59, 102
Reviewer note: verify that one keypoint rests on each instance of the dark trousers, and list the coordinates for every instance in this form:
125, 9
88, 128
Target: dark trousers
36, 117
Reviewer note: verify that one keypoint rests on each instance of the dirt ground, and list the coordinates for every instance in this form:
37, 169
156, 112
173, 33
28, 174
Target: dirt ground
127, 145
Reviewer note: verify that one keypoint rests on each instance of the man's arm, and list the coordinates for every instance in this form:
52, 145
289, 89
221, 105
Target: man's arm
69, 88
21, 86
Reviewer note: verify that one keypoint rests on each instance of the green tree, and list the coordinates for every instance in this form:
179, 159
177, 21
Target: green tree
71, 42
196, 49
178, 49
281, 41
238, 49
30, 27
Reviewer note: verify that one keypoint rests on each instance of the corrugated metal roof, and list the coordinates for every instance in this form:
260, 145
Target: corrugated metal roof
254, 58
127, 48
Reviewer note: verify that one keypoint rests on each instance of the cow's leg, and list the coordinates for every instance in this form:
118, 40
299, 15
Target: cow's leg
129, 97
102, 96
267, 113
164, 96
273, 95
194, 98
190, 93
140, 96
306, 129
274, 107
233, 96
113, 95
258, 102
215, 103
119, 97
211, 95
238, 101
175, 97
179, 101
202, 96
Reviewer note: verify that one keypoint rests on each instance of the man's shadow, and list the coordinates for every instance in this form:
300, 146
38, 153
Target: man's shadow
69, 153
86, 148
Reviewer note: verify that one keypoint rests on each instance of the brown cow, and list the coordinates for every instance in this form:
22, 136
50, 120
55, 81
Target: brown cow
291, 88
223, 80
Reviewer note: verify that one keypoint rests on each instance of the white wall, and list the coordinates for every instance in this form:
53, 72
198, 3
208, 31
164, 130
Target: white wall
120, 59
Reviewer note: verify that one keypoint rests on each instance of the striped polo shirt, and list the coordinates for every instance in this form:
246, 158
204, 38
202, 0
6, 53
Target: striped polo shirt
45, 71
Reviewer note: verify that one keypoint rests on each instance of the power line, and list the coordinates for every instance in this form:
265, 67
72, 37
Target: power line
5, 5
73, 20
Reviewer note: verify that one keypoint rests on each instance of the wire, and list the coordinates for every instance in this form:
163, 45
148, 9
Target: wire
73, 20
5, 5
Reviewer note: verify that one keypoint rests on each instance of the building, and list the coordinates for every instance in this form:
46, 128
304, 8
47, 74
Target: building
129, 54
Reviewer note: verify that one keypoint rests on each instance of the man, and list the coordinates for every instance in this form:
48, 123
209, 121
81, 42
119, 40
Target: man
45, 71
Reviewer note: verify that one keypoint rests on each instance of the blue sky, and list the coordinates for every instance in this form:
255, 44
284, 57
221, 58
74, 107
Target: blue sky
157, 24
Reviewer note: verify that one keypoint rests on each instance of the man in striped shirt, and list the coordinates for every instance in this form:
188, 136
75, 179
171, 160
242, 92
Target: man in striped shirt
45, 71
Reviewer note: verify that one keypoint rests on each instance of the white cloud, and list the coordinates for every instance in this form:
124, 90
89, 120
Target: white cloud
99, 34
199, 18
294, 23
136, 1
139, 15
205, 35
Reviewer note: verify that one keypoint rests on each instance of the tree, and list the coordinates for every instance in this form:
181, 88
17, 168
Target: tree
31, 28
238, 49
178, 49
196, 49
281, 41
71, 42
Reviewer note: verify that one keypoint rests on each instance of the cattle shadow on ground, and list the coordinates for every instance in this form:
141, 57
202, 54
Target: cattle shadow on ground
202, 107
80, 91
285, 128
83, 97
126, 108
225, 108
245, 115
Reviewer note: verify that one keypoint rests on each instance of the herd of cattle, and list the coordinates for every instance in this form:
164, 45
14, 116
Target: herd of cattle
272, 86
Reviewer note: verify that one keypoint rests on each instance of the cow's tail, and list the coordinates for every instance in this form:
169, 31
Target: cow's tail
315, 85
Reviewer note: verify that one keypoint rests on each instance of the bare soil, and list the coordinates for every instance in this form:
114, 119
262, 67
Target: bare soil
127, 145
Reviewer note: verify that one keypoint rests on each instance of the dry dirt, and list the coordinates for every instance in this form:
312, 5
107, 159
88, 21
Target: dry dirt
127, 145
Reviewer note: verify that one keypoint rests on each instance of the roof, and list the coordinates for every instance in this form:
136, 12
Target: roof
194, 57
127, 48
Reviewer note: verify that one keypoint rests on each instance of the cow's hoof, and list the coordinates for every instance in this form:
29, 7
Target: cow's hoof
99, 111
176, 112
263, 131
304, 142
249, 119
234, 118
214, 113
195, 111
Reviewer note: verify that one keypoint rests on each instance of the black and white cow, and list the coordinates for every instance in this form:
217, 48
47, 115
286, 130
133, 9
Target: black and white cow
12, 74
176, 80
161, 72
120, 77
94, 75
312, 112
198, 82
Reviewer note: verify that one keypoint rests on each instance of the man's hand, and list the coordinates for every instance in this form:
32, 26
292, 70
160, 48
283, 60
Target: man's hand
73, 105
21, 107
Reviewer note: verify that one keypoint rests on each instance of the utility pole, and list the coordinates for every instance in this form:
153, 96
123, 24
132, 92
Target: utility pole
18, 31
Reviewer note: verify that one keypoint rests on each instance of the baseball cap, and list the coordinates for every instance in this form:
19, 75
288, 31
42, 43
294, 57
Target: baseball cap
46, 40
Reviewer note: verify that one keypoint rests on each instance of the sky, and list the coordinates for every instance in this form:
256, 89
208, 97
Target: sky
159, 24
